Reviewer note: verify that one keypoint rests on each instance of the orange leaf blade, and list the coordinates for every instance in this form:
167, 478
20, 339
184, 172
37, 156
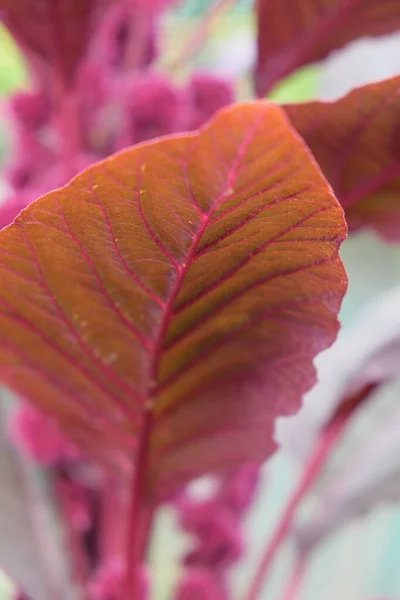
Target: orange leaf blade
198, 273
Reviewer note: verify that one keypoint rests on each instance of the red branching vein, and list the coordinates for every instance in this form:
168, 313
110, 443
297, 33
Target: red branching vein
222, 340
78, 365
238, 267
192, 196
88, 410
248, 197
19, 275
122, 260
151, 256
70, 327
153, 235
270, 313
205, 249
112, 303
191, 253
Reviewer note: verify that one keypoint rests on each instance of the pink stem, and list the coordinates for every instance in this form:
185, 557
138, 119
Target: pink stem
321, 453
69, 129
141, 19
297, 577
140, 513
64, 96
113, 515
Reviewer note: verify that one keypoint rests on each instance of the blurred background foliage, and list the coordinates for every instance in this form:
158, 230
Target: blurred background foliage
363, 559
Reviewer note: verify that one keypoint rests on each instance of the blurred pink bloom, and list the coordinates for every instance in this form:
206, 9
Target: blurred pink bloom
151, 107
40, 437
121, 24
208, 94
30, 109
200, 584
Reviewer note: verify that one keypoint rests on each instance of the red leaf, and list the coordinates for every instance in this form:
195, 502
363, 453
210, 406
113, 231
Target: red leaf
356, 143
298, 32
194, 278
56, 31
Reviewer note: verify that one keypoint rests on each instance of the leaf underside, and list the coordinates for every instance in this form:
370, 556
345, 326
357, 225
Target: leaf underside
197, 275
356, 143
295, 33
56, 31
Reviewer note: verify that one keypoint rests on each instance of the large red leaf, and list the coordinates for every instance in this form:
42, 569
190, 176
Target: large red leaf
294, 33
356, 143
56, 31
185, 286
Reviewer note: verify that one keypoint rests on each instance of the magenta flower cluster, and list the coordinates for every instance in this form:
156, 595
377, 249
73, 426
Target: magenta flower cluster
117, 98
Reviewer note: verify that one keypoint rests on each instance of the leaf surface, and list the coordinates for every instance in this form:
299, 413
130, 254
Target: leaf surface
56, 31
193, 278
299, 32
356, 143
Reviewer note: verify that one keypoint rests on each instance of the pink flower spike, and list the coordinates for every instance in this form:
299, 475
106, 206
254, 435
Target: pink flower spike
220, 544
195, 517
31, 109
209, 93
200, 584
39, 437
107, 580
120, 25
33, 158
238, 490
152, 107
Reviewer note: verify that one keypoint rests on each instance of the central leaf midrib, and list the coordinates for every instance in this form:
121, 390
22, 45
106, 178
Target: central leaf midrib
206, 217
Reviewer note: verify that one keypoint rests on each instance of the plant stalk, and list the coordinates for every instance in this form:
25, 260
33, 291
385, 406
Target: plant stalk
323, 449
140, 513
297, 577
65, 97
140, 30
